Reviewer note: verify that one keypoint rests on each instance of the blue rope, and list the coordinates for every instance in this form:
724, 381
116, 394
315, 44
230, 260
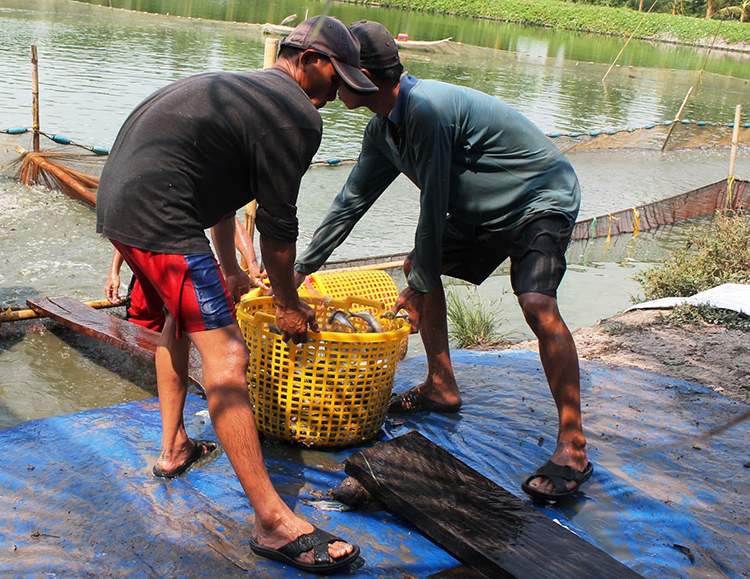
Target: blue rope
575, 135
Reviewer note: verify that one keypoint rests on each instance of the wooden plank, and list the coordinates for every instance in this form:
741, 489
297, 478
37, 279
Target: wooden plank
132, 338
471, 517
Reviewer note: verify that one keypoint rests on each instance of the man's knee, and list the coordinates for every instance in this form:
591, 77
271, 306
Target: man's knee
224, 360
538, 309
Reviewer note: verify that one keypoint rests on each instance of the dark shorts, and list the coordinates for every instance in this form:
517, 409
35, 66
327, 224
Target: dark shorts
190, 287
536, 250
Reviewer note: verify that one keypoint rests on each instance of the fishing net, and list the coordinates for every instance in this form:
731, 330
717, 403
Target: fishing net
704, 201
72, 170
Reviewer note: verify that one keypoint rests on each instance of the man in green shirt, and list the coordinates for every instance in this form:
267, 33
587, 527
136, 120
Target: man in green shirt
493, 187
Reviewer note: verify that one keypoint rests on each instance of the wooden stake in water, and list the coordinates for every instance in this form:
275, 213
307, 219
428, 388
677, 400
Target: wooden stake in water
677, 118
733, 157
269, 54
35, 95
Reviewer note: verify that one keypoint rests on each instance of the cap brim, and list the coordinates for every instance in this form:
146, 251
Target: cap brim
353, 77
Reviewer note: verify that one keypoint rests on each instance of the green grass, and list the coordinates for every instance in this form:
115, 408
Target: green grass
714, 254
471, 322
586, 18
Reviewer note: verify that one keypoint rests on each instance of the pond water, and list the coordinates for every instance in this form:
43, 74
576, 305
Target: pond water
97, 63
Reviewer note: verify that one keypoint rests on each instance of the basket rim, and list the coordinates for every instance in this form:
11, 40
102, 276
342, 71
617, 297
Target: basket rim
325, 335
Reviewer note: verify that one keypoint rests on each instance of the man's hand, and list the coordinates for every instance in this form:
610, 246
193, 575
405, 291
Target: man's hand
238, 284
294, 321
257, 275
112, 289
413, 302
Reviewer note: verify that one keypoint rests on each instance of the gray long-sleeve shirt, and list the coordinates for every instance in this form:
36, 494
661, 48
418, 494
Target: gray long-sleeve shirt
471, 155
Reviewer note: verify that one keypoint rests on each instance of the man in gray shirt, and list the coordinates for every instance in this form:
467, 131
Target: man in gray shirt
492, 187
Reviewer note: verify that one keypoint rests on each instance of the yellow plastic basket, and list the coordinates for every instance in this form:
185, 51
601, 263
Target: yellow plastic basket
374, 284
331, 391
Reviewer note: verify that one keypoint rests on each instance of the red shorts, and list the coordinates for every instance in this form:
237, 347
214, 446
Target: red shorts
138, 309
190, 287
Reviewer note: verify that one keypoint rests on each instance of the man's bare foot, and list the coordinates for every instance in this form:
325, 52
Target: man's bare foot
287, 530
566, 454
426, 397
176, 462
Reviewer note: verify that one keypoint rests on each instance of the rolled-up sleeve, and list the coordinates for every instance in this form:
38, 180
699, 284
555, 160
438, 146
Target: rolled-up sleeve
372, 175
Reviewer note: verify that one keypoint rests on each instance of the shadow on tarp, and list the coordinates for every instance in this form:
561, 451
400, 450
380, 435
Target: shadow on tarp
78, 497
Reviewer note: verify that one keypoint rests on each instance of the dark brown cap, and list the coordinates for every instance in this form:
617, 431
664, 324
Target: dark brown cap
332, 39
378, 50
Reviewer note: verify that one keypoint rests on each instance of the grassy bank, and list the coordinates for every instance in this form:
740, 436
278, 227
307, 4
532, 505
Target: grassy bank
588, 18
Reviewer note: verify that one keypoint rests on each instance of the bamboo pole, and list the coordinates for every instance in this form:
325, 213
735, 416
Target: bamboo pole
35, 95
269, 58
77, 189
733, 156
611, 66
29, 314
677, 117
269, 52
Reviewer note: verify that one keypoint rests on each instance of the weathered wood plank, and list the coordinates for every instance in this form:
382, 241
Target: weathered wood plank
473, 518
460, 572
132, 338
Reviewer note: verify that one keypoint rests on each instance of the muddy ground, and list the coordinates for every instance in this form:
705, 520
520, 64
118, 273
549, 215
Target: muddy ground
709, 355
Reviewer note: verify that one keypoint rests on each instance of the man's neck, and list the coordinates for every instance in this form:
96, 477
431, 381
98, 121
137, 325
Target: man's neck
385, 100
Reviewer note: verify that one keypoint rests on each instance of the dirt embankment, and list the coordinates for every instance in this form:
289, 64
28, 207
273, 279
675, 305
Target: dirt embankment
712, 356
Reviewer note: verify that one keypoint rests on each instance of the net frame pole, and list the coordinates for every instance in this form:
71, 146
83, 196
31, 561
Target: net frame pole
35, 97
733, 155
677, 117
611, 66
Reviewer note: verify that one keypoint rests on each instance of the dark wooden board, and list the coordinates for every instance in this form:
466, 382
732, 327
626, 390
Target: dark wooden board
471, 517
460, 572
132, 338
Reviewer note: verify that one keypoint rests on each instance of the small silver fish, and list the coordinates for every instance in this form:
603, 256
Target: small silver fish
391, 315
274, 329
370, 320
341, 318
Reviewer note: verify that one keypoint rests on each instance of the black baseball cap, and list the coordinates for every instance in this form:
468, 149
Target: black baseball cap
333, 40
378, 48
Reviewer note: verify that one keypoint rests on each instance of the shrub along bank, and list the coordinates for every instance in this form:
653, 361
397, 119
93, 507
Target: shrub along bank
589, 18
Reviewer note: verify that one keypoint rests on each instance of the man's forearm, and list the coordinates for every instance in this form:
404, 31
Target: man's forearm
278, 257
223, 235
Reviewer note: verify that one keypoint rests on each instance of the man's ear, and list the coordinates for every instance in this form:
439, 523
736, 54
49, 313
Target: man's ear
309, 56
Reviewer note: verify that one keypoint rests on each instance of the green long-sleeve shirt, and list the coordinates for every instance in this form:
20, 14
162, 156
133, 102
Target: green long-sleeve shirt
471, 155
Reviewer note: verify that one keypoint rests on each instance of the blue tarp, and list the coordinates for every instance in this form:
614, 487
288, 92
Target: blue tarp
78, 498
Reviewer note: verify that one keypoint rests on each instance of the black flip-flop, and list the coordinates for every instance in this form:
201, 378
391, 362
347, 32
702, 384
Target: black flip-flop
411, 401
195, 455
558, 475
317, 542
